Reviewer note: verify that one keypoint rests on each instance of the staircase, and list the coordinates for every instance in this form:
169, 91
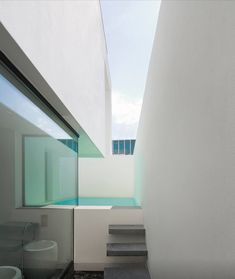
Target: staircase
127, 229
127, 248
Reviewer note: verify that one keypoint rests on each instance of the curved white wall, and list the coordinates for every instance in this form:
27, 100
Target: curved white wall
186, 142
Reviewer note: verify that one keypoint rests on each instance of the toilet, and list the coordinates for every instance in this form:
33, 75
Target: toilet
10, 272
40, 259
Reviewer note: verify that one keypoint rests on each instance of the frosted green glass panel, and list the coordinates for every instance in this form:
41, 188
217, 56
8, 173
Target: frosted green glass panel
50, 170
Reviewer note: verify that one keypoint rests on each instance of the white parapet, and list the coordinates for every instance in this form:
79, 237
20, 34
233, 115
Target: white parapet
112, 176
91, 235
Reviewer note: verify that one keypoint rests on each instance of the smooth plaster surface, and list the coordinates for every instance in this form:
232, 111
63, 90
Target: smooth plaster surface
185, 149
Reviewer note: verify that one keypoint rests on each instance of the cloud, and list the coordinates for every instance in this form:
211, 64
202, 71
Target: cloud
126, 113
125, 109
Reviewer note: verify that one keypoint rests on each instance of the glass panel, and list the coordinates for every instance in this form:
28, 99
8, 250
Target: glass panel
50, 171
15, 101
38, 167
132, 146
121, 147
127, 147
115, 146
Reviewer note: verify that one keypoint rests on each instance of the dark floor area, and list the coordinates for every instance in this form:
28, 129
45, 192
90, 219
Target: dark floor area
88, 275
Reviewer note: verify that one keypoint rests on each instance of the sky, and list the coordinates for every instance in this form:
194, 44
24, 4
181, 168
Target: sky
129, 28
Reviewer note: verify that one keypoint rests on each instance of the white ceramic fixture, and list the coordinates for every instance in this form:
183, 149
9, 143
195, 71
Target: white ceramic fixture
10, 272
40, 259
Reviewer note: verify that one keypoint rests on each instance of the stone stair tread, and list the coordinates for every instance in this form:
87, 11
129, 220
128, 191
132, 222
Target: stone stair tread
126, 229
130, 272
126, 249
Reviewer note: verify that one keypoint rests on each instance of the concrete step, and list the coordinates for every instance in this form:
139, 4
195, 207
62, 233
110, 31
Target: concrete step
126, 249
126, 238
127, 229
130, 272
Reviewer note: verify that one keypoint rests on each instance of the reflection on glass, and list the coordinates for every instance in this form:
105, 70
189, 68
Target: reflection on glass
127, 147
115, 147
50, 170
121, 147
38, 168
132, 146
14, 100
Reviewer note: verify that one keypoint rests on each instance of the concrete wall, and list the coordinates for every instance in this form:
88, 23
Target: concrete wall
186, 142
91, 235
112, 176
60, 47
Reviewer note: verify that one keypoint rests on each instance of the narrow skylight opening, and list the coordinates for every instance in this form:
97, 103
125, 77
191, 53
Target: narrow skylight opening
130, 29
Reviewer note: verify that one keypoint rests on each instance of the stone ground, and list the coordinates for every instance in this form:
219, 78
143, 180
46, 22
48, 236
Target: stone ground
88, 275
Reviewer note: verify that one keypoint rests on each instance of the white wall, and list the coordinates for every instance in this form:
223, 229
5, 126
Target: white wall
186, 142
91, 235
112, 176
108, 112
60, 47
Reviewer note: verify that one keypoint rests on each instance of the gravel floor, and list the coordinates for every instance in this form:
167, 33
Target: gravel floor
88, 275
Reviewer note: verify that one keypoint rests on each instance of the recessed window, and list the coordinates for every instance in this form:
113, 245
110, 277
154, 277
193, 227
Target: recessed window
132, 146
127, 147
115, 147
123, 147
